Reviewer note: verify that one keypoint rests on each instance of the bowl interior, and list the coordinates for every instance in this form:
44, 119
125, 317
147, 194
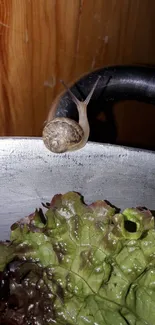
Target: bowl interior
30, 175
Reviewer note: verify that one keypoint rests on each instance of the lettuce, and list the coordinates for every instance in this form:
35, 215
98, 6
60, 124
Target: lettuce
79, 264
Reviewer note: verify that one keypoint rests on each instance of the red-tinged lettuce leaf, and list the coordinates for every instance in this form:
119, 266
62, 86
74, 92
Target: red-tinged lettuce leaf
80, 264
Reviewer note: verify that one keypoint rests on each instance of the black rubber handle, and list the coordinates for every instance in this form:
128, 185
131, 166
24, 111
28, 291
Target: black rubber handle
124, 83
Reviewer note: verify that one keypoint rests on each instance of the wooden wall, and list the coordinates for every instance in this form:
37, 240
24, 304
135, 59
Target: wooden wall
42, 41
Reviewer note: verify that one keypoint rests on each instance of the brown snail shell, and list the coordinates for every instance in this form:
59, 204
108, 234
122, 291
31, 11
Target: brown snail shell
62, 134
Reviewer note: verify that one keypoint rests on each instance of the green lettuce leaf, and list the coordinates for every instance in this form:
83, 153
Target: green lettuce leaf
79, 264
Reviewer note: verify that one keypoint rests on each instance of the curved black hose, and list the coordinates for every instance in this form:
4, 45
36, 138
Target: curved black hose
123, 83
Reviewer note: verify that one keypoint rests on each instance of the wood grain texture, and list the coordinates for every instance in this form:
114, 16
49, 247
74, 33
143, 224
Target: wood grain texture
43, 41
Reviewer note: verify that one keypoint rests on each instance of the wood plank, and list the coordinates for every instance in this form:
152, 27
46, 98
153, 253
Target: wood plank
42, 42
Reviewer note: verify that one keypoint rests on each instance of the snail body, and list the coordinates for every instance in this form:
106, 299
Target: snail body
63, 134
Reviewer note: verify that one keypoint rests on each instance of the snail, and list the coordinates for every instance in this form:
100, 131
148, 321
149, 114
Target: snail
62, 134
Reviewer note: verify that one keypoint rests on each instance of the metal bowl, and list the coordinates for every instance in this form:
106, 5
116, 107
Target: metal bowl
30, 175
